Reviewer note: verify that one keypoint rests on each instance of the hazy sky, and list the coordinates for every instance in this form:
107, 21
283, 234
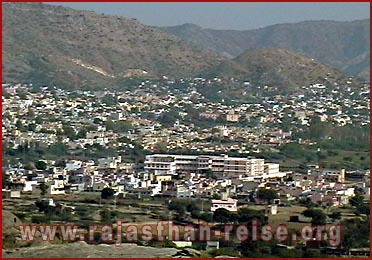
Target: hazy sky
238, 16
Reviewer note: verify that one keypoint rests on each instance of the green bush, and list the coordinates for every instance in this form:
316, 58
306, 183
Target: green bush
40, 219
224, 252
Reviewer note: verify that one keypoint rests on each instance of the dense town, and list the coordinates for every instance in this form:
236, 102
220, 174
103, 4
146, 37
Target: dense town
167, 140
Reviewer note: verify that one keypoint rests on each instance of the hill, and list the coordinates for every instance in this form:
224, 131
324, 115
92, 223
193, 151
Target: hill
53, 45
56, 45
277, 67
343, 45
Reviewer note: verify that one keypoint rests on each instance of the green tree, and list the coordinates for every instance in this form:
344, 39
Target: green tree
356, 201
195, 214
191, 206
31, 127
20, 126
81, 134
5, 180
169, 118
161, 147
97, 121
43, 206
318, 217
58, 149
60, 163
179, 206
105, 216
363, 209
335, 216
109, 100
206, 216
43, 188
39, 120
117, 126
267, 194
355, 232
107, 193
40, 165
246, 215
358, 191
313, 253
69, 132
210, 174
222, 215
307, 202
29, 166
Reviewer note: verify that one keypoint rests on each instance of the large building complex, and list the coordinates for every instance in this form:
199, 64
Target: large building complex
229, 166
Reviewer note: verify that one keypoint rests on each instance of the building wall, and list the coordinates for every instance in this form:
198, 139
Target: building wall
230, 166
229, 204
163, 177
56, 187
271, 168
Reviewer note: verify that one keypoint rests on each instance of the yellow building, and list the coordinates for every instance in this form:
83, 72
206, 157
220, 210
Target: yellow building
163, 177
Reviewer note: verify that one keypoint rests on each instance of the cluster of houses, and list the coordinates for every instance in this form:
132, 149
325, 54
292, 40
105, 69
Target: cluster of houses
196, 124
226, 180
173, 116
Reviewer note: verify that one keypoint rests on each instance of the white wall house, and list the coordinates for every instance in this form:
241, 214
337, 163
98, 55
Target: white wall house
28, 185
56, 187
229, 204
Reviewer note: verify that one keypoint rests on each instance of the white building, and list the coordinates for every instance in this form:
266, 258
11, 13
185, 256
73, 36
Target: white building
56, 187
229, 166
29, 184
184, 192
109, 163
229, 204
271, 168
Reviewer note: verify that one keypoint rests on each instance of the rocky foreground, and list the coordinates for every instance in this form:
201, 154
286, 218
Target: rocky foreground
43, 249
82, 249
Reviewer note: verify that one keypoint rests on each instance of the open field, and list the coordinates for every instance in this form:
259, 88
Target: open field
335, 158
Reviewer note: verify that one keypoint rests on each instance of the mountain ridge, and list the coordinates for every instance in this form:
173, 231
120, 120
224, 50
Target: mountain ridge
85, 47
53, 45
337, 44
277, 67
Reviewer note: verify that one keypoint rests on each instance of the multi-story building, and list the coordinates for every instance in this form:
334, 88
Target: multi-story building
271, 168
161, 164
229, 166
232, 117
